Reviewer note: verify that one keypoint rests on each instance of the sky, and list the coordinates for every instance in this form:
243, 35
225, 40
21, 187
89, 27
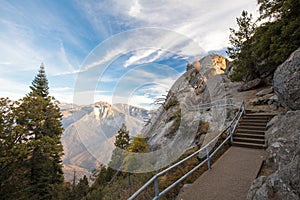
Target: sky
118, 51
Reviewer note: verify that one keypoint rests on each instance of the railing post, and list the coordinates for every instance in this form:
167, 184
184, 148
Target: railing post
230, 103
243, 108
156, 188
231, 134
208, 158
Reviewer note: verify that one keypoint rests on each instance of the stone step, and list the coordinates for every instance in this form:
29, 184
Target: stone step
246, 123
249, 140
254, 121
251, 131
248, 135
258, 128
257, 117
249, 145
261, 114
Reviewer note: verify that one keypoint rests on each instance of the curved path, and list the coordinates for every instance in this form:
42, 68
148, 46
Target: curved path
229, 178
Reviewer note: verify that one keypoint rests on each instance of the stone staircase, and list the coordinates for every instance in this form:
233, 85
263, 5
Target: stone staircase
251, 130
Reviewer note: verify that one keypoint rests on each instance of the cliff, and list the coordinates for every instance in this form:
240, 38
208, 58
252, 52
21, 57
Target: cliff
179, 123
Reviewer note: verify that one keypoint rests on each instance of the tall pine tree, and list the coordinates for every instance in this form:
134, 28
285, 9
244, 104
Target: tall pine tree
40, 118
240, 40
238, 37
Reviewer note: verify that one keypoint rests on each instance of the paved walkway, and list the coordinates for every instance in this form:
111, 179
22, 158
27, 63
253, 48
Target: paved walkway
230, 177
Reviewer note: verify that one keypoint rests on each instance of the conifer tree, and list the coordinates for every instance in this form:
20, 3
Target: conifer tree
118, 154
13, 153
40, 83
122, 138
270, 44
238, 37
81, 188
40, 118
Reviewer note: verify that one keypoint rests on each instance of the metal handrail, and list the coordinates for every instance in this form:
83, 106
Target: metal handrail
230, 128
214, 104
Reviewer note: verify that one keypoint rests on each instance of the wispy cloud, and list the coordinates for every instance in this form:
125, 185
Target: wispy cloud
143, 45
138, 31
205, 21
35, 32
201, 22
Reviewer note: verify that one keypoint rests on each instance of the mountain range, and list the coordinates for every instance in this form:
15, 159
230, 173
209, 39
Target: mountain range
89, 131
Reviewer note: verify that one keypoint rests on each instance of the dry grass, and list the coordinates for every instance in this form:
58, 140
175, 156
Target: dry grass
175, 174
171, 102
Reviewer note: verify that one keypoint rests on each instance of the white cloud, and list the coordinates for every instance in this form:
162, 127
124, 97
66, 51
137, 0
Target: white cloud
146, 44
202, 25
135, 9
205, 21
143, 56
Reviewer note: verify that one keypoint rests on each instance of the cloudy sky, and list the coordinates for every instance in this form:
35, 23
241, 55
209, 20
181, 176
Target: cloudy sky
128, 51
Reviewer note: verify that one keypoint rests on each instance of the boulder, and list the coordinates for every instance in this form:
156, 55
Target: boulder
283, 184
273, 99
264, 92
286, 81
251, 85
262, 100
283, 138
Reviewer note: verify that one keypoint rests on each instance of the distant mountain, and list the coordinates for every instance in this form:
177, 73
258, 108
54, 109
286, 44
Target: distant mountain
89, 131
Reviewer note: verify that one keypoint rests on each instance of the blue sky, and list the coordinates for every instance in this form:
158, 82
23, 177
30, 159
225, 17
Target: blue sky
103, 47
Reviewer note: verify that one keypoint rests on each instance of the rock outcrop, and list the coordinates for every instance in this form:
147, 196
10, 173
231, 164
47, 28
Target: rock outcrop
179, 123
283, 138
286, 81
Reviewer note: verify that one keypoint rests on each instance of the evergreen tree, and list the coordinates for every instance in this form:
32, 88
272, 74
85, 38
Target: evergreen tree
13, 153
40, 118
81, 188
272, 42
278, 9
40, 83
118, 154
238, 37
122, 138
240, 50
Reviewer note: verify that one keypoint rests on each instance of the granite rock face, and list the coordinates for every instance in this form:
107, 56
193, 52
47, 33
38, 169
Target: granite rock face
286, 81
283, 184
283, 138
178, 123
